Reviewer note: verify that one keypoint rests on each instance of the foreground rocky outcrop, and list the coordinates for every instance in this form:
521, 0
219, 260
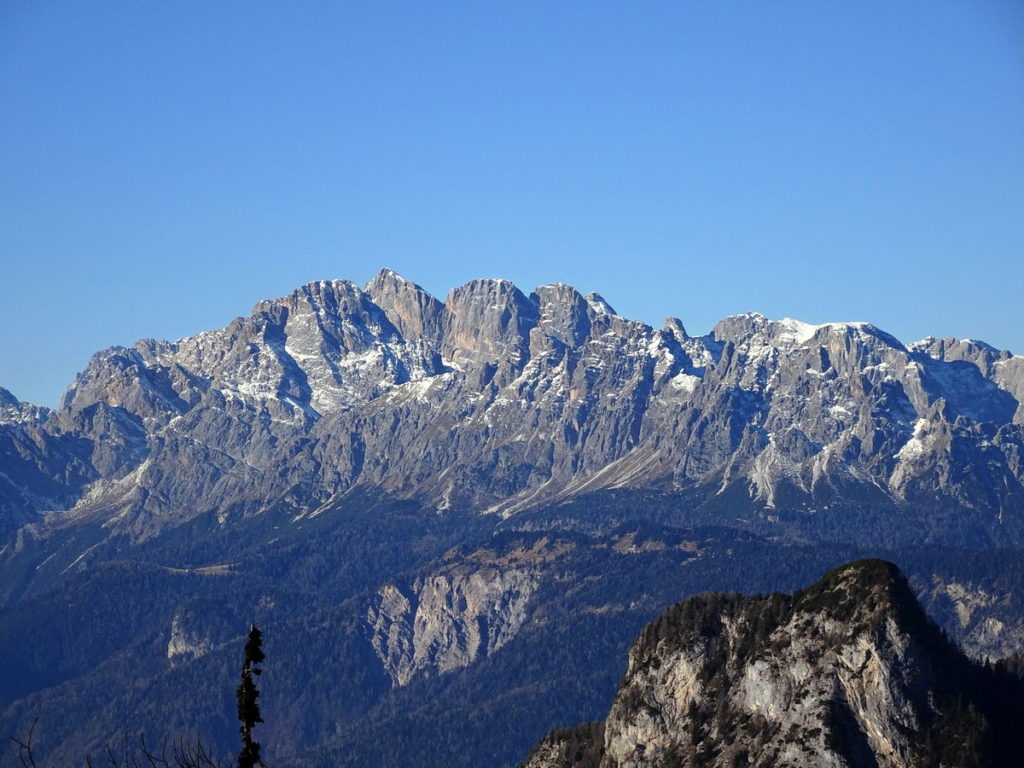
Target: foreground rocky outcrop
849, 672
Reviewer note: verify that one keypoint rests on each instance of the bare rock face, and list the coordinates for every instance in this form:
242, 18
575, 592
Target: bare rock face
498, 401
414, 312
487, 322
13, 411
1006, 370
447, 620
185, 644
38, 469
984, 620
846, 673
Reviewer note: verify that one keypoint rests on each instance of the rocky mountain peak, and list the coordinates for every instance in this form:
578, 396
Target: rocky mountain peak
754, 328
564, 315
848, 672
7, 399
862, 592
598, 304
342, 310
971, 350
675, 326
412, 310
1000, 366
14, 411
487, 322
736, 328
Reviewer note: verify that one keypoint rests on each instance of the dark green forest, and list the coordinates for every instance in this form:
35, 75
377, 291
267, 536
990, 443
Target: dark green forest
96, 668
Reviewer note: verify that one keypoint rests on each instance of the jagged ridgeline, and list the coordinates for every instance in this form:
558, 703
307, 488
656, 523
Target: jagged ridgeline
849, 672
496, 400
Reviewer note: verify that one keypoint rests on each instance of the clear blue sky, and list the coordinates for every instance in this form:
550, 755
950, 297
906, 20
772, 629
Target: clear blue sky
163, 166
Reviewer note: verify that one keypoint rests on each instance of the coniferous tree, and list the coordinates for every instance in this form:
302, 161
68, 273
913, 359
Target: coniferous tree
247, 694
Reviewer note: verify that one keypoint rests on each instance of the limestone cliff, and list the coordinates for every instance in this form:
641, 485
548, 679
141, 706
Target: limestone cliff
447, 620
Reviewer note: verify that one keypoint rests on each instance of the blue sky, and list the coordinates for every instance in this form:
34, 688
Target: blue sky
166, 165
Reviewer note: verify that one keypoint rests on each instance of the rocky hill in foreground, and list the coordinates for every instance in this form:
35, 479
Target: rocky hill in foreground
849, 672
499, 401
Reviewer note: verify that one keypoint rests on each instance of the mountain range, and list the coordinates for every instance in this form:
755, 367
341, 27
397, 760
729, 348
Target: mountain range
496, 402
452, 518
